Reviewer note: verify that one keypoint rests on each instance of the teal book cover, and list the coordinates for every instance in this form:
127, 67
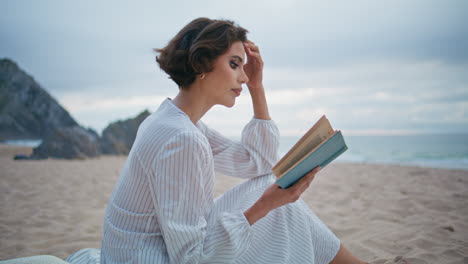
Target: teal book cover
323, 155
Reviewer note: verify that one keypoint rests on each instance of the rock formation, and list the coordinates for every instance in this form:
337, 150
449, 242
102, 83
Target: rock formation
72, 142
118, 137
27, 111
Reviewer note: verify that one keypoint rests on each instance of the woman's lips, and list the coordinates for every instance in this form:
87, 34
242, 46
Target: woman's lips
237, 91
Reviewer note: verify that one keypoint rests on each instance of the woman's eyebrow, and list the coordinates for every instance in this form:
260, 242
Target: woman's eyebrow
237, 57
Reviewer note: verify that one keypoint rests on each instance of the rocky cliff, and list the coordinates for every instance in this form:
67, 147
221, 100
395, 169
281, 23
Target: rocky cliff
72, 142
118, 137
27, 111
76, 142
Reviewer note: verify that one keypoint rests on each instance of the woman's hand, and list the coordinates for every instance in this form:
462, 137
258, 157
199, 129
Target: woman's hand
254, 66
276, 196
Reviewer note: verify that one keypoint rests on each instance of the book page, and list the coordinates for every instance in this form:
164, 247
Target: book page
309, 144
316, 135
306, 155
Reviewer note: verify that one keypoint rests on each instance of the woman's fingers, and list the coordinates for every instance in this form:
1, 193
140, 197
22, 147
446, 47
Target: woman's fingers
252, 46
254, 66
255, 55
279, 196
305, 182
257, 58
315, 170
252, 49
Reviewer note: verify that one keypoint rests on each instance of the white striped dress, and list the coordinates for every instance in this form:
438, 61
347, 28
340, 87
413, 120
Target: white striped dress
162, 209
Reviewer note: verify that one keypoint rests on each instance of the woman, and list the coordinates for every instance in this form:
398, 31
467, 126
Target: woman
162, 208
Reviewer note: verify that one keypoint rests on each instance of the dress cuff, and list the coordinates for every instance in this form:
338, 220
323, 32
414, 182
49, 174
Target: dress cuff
261, 120
239, 230
238, 217
245, 220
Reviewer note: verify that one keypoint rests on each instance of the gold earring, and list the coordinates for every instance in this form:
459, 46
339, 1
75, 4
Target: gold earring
202, 76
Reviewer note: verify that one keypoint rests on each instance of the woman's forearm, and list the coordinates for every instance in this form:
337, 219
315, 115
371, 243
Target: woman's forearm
260, 106
260, 208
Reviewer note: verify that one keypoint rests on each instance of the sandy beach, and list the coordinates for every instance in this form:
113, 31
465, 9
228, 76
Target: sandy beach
382, 213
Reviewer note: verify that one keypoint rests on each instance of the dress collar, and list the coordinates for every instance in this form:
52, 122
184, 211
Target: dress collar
172, 105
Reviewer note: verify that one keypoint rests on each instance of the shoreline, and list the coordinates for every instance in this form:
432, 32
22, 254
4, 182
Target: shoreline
28, 150
380, 212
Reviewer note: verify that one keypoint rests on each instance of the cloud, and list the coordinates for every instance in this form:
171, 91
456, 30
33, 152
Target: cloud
397, 97
289, 96
441, 113
393, 66
97, 110
80, 104
308, 114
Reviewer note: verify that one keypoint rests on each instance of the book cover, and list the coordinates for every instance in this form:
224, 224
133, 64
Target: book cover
321, 155
317, 134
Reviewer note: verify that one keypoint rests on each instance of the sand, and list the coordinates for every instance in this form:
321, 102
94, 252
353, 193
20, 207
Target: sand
382, 213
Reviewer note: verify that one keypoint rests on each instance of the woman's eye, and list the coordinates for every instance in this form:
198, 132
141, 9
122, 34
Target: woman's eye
234, 65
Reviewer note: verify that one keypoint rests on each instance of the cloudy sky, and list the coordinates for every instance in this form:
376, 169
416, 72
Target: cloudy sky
372, 67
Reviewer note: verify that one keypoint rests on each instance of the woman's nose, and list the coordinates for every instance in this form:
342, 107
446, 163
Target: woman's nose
244, 77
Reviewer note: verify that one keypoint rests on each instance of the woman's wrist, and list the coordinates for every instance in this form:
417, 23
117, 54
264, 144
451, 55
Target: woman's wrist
257, 211
255, 87
259, 102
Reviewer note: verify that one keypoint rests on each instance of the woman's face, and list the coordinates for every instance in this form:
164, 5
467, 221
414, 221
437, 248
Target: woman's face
223, 84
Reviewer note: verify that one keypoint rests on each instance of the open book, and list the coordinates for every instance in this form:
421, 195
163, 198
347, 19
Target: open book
318, 147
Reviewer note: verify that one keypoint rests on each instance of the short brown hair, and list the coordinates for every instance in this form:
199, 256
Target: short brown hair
193, 50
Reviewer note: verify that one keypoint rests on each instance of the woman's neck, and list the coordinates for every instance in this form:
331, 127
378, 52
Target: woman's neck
192, 103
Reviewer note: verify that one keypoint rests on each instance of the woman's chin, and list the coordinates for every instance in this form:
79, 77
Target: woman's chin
229, 104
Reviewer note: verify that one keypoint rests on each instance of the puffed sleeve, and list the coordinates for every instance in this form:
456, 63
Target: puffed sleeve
182, 206
254, 155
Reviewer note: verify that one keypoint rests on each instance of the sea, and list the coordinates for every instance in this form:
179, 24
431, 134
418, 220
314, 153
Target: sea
446, 151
